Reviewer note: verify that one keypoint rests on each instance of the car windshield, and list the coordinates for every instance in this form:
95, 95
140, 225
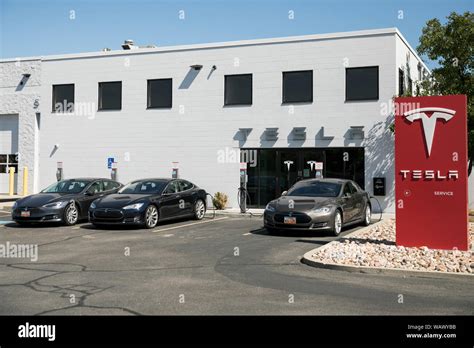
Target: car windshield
67, 186
315, 189
143, 187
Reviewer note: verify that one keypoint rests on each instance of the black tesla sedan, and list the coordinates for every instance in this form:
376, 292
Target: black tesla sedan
65, 201
319, 204
147, 201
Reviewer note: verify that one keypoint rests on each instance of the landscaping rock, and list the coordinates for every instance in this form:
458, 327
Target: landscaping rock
374, 247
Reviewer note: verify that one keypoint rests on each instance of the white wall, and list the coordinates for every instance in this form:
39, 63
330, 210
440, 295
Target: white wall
22, 100
152, 139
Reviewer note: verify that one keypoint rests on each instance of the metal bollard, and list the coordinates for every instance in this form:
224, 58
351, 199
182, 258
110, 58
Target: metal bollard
11, 181
25, 181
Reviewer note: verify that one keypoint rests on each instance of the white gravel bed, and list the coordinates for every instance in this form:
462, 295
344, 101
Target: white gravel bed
375, 247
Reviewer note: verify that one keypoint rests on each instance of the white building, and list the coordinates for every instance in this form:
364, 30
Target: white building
316, 97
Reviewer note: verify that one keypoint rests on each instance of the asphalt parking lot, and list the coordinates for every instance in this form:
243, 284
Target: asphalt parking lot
226, 265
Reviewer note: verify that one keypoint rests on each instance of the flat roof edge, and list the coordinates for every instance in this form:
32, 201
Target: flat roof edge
227, 44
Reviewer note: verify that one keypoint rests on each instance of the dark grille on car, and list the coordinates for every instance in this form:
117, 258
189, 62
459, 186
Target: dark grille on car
108, 214
31, 210
298, 204
301, 218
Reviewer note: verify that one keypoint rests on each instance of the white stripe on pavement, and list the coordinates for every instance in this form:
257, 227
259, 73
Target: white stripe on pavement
192, 224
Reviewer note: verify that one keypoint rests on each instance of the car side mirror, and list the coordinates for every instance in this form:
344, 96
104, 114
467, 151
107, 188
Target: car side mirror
284, 193
88, 193
346, 195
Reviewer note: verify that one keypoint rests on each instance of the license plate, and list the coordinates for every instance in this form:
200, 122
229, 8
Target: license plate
289, 220
25, 214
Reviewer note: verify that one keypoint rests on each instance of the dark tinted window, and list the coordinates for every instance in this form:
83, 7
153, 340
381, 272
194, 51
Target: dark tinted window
362, 83
315, 189
298, 86
110, 185
172, 187
8, 161
347, 190
352, 187
410, 86
96, 188
238, 89
110, 95
401, 82
184, 185
160, 93
63, 98
67, 186
143, 187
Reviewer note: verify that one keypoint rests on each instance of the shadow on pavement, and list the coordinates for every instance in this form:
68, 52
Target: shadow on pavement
300, 233
89, 226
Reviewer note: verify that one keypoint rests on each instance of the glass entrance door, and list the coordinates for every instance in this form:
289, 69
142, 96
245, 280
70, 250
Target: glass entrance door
279, 169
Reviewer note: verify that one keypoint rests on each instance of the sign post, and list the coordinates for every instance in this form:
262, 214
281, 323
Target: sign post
431, 172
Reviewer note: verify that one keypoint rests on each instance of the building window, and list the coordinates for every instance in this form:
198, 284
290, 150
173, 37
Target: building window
410, 86
238, 89
298, 86
401, 82
110, 95
160, 94
8, 161
362, 83
63, 98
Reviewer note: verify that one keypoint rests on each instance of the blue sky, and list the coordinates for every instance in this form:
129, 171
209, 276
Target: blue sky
42, 27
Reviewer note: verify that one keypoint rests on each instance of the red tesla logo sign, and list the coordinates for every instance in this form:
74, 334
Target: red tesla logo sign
431, 172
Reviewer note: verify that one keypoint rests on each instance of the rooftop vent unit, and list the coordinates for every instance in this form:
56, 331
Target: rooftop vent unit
129, 45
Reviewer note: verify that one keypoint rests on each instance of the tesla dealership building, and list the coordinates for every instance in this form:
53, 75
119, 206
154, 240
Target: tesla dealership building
285, 101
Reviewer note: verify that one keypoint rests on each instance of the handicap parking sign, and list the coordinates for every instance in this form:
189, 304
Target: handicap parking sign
110, 160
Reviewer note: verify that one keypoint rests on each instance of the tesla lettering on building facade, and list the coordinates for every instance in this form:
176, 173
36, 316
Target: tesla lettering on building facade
431, 172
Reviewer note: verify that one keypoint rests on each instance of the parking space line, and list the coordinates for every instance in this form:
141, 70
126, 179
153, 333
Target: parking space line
191, 224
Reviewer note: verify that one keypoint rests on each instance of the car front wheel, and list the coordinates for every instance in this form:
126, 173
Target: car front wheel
151, 217
71, 214
337, 223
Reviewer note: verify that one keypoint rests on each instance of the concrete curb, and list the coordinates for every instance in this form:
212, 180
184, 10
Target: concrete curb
310, 261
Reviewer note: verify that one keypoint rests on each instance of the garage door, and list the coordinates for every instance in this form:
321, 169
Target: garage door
8, 149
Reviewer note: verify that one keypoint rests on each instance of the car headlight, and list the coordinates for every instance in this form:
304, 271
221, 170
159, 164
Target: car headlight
135, 206
270, 207
322, 210
93, 206
15, 204
55, 205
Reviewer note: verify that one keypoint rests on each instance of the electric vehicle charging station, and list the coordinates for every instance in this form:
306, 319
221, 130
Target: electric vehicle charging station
175, 170
113, 171
243, 187
59, 171
318, 166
